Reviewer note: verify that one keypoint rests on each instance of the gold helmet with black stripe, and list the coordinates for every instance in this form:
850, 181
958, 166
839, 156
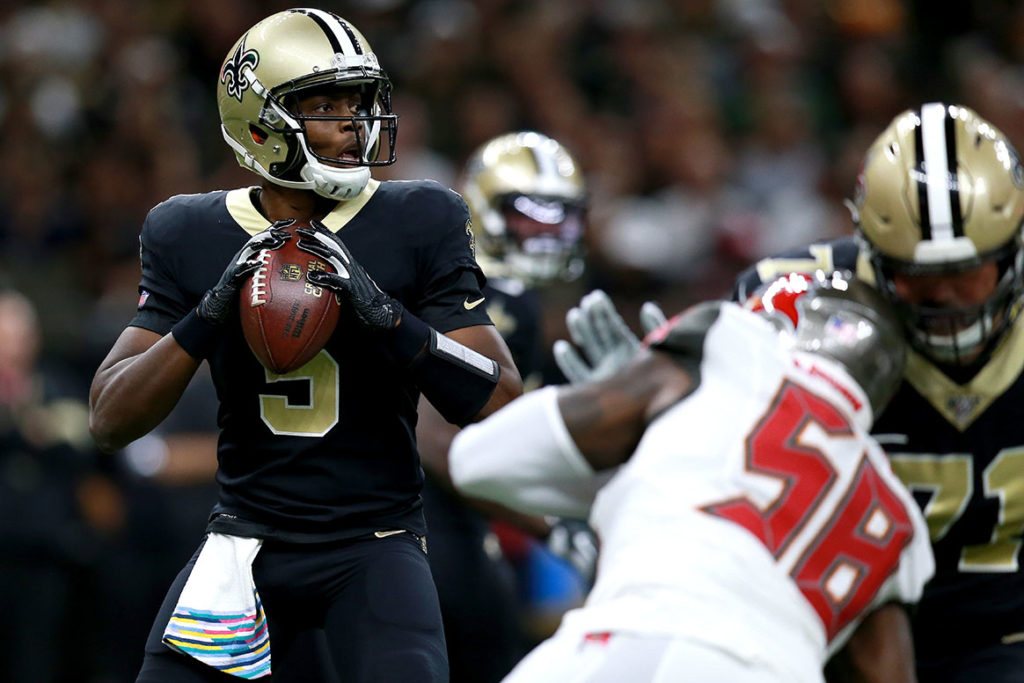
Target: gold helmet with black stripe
282, 57
527, 201
941, 192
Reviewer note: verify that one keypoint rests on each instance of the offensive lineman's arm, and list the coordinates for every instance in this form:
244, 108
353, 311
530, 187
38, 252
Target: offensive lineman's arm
881, 650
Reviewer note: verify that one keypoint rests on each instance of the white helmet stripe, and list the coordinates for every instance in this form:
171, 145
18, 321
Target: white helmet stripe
546, 166
341, 39
935, 165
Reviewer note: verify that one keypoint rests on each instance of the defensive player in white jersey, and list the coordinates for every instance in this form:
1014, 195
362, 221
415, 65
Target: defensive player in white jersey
750, 527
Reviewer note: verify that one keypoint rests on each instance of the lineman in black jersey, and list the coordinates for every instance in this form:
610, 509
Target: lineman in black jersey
319, 521
939, 208
526, 196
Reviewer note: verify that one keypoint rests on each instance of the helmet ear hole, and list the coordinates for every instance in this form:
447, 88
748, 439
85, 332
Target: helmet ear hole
259, 136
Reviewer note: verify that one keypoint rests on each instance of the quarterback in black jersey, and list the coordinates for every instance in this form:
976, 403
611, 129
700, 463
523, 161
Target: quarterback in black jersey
526, 196
319, 523
939, 208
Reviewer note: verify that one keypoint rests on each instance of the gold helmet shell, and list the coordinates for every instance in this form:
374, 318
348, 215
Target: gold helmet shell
527, 200
287, 53
941, 191
940, 185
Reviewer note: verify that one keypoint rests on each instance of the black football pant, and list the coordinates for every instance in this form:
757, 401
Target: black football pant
373, 597
993, 663
478, 598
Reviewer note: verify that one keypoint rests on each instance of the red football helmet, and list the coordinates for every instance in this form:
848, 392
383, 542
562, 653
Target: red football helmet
842, 317
778, 298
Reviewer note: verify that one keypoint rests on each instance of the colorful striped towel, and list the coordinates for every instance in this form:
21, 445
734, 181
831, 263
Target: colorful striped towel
219, 618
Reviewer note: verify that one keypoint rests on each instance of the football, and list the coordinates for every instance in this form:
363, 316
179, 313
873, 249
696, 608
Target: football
287, 320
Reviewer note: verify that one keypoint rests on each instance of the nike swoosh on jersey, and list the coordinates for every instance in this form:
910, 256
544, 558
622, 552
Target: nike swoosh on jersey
385, 534
470, 305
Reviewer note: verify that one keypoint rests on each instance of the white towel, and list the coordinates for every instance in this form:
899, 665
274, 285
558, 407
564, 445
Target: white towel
219, 618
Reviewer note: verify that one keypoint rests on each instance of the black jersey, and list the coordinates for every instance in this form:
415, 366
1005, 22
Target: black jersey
959, 448
328, 450
515, 310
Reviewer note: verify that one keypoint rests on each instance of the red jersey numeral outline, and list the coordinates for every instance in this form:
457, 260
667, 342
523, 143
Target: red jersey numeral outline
843, 567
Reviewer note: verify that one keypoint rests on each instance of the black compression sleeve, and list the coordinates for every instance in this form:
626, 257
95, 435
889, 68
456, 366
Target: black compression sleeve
456, 380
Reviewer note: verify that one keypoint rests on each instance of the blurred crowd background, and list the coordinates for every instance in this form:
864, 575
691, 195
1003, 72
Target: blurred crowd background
711, 133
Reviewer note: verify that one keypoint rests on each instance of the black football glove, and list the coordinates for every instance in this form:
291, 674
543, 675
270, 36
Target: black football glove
375, 309
218, 302
575, 542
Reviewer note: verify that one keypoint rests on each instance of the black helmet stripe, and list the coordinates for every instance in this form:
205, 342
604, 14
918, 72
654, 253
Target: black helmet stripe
348, 31
954, 178
338, 33
922, 184
938, 187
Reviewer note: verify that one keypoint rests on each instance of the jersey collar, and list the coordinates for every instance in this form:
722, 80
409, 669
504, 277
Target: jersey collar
252, 221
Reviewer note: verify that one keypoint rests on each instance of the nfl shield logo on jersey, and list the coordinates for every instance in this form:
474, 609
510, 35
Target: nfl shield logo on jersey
963, 406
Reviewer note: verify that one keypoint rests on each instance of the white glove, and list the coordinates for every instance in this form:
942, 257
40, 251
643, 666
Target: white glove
606, 341
575, 542
651, 317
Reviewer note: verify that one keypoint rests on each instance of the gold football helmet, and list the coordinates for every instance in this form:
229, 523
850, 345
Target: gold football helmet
279, 58
941, 191
527, 200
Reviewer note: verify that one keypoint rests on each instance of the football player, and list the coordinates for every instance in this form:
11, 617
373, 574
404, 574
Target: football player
750, 527
527, 199
938, 210
319, 522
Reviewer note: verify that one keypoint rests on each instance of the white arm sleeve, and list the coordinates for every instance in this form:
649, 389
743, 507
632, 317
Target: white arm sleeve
523, 457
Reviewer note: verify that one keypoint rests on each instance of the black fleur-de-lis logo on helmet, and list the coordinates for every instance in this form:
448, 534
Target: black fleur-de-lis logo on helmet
232, 75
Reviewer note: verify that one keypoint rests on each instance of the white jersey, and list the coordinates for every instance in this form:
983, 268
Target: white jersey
756, 515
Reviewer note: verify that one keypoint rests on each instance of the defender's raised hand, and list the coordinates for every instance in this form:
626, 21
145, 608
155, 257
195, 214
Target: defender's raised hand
651, 317
373, 307
605, 339
220, 300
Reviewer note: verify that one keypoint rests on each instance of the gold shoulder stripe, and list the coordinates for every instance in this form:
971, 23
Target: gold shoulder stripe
245, 214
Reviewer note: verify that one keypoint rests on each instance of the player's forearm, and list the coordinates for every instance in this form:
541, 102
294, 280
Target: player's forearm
523, 457
134, 390
509, 388
434, 437
881, 650
606, 419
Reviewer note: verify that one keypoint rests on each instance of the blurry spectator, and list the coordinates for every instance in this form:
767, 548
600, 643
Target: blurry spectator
55, 511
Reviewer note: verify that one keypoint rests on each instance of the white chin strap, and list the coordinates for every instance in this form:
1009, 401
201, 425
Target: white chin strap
963, 344
334, 183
